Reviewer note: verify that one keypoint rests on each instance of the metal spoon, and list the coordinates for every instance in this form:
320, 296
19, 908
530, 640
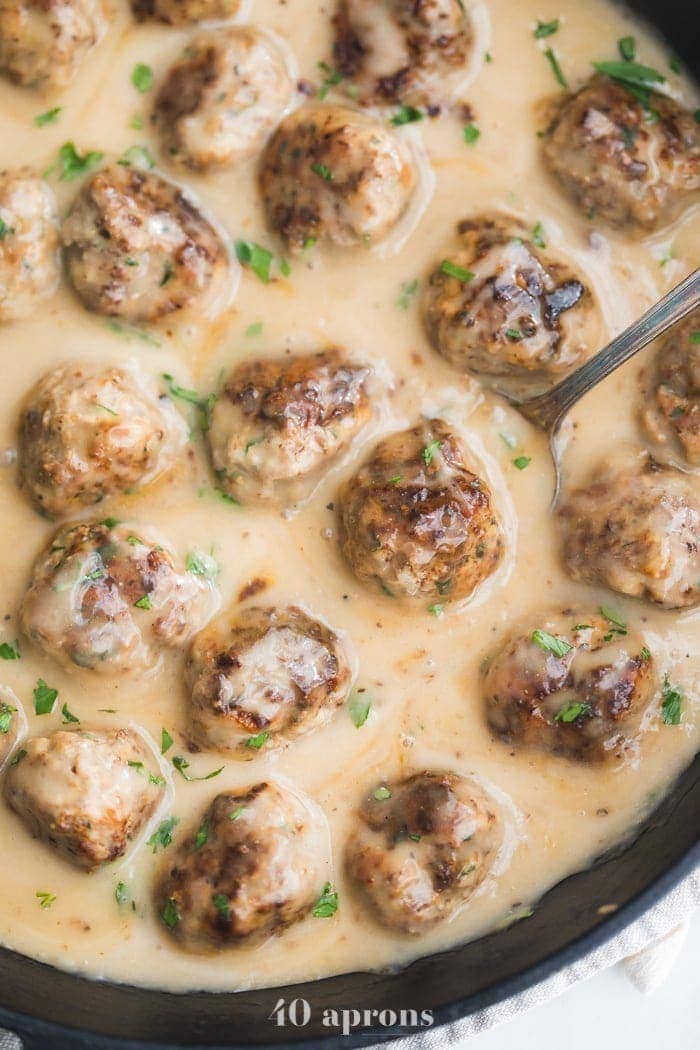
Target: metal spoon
549, 410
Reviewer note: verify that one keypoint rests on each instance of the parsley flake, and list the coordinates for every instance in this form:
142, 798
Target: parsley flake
49, 117
453, 270
359, 707
182, 765
9, 651
573, 711
44, 698
163, 835
327, 904
551, 644
671, 704
142, 77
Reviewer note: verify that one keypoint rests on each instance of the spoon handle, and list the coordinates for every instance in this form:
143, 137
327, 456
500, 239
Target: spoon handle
548, 410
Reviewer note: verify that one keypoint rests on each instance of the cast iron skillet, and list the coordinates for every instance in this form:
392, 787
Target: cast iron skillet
52, 1009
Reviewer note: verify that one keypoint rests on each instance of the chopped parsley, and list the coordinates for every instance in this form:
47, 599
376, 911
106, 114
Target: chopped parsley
170, 915
202, 836
332, 78
142, 77
44, 698
258, 259
68, 716
471, 134
381, 794
136, 123
9, 651
521, 462
153, 778
132, 333
163, 835
258, 741
22, 753
671, 704
573, 711
644, 653
627, 46
327, 904
49, 117
45, 899
122, 894
436, 610
4, 229
545, 29
144, 602
138, 157
408, 290
695, 338
166, 741
428, 453
110, 523
236, 813
556, 68
182, 765
538, 236
200, 564
632, 75
453, 270
515, 334
617, 624
406, 115
254, 329
359, 707
6, 713
551, 644
204, 405
71, 164
323, 171
222, 905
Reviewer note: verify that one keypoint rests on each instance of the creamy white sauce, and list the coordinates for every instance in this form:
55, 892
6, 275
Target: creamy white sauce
421, 672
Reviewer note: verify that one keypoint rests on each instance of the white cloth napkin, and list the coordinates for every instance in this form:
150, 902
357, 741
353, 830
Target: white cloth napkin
648, 949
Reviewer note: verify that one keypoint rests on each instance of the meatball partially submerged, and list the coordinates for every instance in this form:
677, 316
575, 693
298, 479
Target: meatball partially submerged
624, 161
109, 596
672, 413
87, 793
222, 99
264, 674
138, 248
576, 685
278, 423
637, 530
500, 307
87, 433
333, 174
422, 847
403, 50
257, 863
416, 521
186, 12
29, 262
43, 42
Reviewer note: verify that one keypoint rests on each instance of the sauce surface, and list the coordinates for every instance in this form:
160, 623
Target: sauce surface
421, 671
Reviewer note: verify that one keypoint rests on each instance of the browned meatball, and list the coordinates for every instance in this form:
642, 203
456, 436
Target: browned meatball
88, 432
416, 521
506, 310
87, 793
333, 174
109, 597
186, 12
137, 247
625, 163
43, 42
13, 722
222, 99
264, 674
278, 423
409, 51
256, 864
422, 847
29, 259
637, 530
575, 684
672, 412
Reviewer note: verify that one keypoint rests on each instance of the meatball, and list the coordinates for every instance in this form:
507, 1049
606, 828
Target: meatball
221, 100
109, 596
44, 42
264, 673
137, 247
503, 309
577, 685
623, 161
422, 847
278, 423
256, 864
186, 12
416, 521
672, 412
637, 530
333, 174
87, 793
13, 723
87, 433
403, 51
29, 262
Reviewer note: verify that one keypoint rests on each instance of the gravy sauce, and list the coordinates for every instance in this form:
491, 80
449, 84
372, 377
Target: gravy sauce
422, 672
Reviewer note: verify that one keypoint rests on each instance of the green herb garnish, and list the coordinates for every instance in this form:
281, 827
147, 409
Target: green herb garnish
163, 835
9, 651
551, 644
142, 77
406, 115
258, 741
68, 716
327, 904
573, 711
453, 270
322, 171
49, 117
44, 698
545, 29
671, 704
556, 68
359, 707
182, 765
381, 794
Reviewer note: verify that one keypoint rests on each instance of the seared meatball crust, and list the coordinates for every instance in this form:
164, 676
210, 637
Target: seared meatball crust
138, 248
44, 42
416, 521
576, 685
222, 99
332, 174
109, 597
275, 671
186, 12
410, 51
87, 433
260, 868
618, 161
279, 423
29, 260
672, 412
422, 846
86, 792
636, 529
515, 317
